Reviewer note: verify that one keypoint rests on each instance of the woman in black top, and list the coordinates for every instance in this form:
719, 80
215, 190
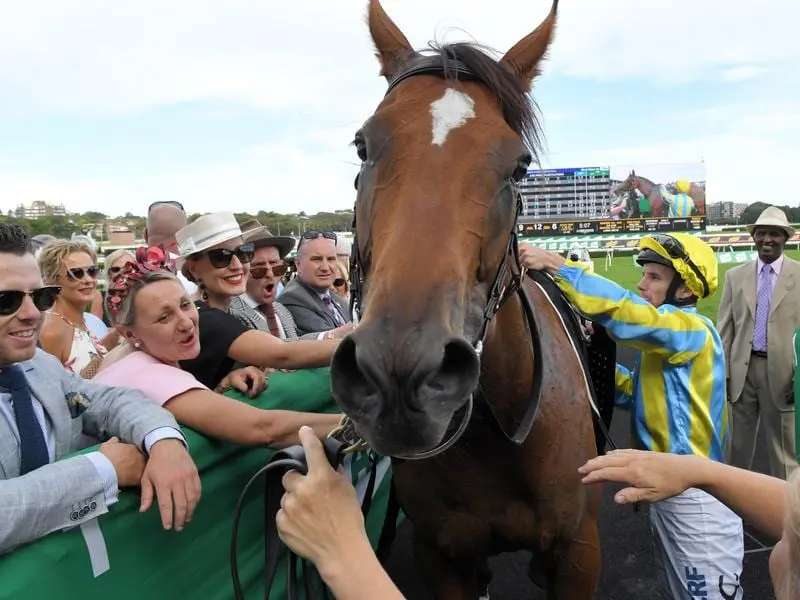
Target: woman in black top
217, 258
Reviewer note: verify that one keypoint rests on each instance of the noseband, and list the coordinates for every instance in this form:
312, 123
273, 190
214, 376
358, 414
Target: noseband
507, 280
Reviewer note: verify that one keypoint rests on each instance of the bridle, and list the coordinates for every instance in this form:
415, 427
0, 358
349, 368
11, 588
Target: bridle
507, 281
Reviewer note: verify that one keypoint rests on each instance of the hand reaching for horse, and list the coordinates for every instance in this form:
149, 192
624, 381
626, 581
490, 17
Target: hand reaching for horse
536, 259
320, 518
652, 476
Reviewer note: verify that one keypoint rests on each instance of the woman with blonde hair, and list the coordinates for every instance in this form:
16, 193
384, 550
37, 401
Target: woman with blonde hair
154, 313
65, 335
341, 285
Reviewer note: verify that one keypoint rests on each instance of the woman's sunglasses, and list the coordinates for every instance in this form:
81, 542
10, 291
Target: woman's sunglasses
222, 257
115, 271
261, 271
338, 282
43, 299
77, 273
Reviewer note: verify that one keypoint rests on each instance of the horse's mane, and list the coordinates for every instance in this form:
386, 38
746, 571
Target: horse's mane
519, 110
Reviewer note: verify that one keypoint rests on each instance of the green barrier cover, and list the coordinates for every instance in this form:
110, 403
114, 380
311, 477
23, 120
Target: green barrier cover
147, 562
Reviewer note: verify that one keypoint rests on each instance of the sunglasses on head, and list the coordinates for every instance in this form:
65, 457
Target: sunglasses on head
313, 234
261, 271
77, 273
167, 202
222, 257
43, 299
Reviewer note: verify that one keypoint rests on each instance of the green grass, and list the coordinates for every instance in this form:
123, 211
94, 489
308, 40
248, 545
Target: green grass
627, 275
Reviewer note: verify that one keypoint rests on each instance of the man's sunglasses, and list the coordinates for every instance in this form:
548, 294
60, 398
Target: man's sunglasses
676, 250
222, 257
167, 202
313, 234
77, 273
261, 271
43, 299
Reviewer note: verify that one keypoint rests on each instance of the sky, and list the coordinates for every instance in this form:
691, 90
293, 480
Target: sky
251, 104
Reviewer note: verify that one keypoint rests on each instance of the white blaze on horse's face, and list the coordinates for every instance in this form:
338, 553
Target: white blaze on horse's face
450, 112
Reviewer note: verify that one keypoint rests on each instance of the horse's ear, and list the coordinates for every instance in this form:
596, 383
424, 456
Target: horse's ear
526, 55
394, 49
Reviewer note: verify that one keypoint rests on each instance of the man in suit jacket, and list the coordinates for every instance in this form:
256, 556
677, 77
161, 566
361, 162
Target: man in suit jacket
759, 312
257, 307
45, 411
308, 296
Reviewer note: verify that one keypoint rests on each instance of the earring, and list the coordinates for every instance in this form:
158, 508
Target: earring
136, 345
203, 293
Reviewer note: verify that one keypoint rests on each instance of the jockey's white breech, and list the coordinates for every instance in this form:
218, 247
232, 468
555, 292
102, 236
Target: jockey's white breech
699, 547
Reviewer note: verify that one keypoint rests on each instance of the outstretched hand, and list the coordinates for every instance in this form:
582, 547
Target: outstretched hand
320, 518
651, 476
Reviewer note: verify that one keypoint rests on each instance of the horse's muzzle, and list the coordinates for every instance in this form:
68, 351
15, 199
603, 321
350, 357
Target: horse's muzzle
402, 390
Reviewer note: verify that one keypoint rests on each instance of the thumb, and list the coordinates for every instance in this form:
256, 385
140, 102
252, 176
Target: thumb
630, 495
315, 454
147, 494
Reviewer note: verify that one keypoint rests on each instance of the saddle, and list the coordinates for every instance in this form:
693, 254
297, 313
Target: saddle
598, 356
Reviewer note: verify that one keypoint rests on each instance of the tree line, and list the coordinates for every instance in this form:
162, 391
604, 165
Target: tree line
277, 223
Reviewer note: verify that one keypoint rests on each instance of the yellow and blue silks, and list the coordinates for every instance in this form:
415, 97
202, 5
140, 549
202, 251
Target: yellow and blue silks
680, 204
676, 391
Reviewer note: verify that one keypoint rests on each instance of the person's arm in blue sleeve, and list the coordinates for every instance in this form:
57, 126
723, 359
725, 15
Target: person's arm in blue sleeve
675, 335
623, 380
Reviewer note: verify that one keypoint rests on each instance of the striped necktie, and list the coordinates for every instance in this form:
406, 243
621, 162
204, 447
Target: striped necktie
272, 318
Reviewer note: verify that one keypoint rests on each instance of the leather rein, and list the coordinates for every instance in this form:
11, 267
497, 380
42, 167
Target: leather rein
507, 282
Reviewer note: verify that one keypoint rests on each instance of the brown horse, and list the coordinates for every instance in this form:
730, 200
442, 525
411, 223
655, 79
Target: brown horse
460, 369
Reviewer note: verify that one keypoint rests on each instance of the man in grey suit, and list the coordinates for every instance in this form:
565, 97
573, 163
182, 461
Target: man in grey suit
258, 306
308, 296
45, 411
758, 315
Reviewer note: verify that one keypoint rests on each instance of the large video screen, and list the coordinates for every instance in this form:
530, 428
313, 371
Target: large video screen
631, 198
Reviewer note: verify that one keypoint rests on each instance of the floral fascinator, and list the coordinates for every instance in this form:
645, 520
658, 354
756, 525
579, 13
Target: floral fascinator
147, 260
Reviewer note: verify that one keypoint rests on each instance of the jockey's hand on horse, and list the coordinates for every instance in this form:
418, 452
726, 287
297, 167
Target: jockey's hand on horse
536, 259
320, 518
652, 476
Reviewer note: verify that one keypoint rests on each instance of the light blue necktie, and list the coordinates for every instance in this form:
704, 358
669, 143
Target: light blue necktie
762, 309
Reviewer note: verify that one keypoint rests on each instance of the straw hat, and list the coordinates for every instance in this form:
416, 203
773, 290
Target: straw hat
772, 216
253, 232
206, 232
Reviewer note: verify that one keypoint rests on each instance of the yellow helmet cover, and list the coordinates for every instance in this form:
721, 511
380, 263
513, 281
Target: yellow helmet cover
698, 252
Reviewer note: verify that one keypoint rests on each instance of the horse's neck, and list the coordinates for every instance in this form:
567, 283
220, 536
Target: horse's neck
646, 185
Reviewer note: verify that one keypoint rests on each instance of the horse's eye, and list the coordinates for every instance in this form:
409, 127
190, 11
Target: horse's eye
521, 170
361, 147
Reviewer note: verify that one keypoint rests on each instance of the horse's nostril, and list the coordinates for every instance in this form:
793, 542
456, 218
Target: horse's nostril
458, 372
346, 371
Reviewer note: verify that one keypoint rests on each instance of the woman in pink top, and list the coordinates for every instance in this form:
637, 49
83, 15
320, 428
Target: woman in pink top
155, 315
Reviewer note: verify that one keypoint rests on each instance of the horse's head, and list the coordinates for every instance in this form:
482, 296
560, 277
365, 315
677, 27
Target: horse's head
435, 210
630, 183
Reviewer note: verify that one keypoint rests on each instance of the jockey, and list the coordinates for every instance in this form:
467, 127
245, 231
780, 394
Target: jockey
681, 204
676, 394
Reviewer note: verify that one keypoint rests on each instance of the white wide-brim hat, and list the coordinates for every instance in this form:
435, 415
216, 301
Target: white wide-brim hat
206, 232
772, 216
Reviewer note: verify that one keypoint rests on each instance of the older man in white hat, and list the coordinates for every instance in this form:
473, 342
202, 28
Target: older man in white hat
758, 314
